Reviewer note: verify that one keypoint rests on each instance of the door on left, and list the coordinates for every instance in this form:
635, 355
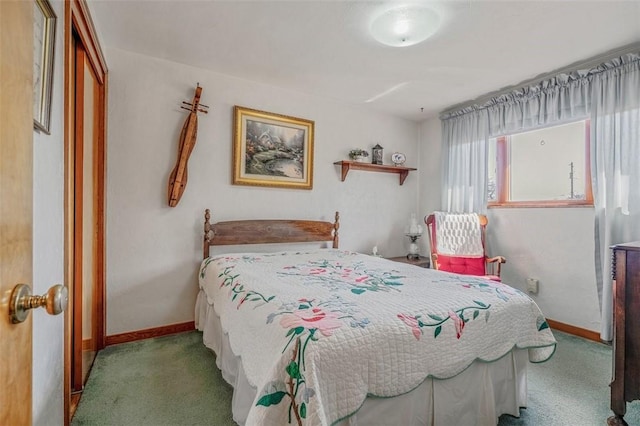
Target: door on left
16, 187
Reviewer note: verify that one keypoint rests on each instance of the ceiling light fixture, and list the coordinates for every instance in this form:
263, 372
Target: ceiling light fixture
405, 25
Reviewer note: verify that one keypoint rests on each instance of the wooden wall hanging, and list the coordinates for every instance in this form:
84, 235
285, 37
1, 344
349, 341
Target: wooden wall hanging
178, 177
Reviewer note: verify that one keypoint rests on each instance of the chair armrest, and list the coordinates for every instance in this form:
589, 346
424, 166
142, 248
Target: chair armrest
434, 261
498, 261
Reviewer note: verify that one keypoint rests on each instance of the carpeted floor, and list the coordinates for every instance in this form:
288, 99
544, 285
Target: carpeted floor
174, 381
169, 380
572, 388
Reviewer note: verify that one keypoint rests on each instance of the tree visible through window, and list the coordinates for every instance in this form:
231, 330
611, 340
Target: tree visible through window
543, 167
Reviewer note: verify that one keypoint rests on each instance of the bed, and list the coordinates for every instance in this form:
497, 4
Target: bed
323, 336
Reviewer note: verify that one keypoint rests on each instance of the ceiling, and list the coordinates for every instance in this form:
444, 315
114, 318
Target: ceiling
324, 48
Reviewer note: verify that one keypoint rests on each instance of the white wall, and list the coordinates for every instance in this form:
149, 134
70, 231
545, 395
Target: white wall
554, 245
48, 248
153, 251
429, 192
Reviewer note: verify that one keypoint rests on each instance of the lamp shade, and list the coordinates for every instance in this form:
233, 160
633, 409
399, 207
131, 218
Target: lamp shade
405, 25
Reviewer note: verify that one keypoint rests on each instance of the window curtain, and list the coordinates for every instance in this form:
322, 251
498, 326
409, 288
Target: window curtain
609, 95
615, 170
465, 133
465, 141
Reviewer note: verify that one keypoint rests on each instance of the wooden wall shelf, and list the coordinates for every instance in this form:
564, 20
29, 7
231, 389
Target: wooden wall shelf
355, 165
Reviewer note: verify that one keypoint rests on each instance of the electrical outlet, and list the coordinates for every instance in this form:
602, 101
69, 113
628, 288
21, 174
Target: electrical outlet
532, 285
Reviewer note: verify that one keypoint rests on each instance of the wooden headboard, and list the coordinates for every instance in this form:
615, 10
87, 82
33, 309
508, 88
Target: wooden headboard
267, 231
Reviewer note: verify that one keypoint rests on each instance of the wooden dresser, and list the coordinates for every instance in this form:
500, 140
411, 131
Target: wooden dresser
625, 386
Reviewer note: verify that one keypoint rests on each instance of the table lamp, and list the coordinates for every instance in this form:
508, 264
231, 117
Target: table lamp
413, 231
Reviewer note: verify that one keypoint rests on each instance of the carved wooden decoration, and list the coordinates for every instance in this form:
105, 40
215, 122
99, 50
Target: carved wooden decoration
178, 177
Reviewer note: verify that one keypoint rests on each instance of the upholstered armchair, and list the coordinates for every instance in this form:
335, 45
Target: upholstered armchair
458, 244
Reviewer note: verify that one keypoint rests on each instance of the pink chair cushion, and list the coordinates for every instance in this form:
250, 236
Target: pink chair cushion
462, 265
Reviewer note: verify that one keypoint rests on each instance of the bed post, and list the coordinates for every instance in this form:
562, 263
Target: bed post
336, 226
207, 233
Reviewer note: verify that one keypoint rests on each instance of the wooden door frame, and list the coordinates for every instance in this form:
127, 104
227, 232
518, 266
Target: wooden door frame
78, 27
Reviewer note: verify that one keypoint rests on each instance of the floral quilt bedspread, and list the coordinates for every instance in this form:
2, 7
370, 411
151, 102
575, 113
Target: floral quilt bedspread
320, 330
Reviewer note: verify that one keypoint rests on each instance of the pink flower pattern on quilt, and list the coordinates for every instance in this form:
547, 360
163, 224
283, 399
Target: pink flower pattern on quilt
318, 318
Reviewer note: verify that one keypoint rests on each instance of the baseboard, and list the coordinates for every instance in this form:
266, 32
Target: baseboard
576, 331
188, 326
87, 344
150, 332
73, 406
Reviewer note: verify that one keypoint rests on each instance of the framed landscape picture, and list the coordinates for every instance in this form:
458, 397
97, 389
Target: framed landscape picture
272, 149
44, 34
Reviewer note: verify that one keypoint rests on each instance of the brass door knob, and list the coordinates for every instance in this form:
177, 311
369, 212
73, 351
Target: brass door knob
55, 301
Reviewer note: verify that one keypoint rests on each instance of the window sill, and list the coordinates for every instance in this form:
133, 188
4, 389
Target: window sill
541, 204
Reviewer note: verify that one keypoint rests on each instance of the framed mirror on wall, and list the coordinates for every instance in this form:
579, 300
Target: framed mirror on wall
44, 35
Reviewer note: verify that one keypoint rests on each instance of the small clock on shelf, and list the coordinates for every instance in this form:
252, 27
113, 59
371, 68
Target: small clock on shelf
398, 158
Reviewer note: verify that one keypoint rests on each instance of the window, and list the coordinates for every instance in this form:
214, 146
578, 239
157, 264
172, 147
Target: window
541, 168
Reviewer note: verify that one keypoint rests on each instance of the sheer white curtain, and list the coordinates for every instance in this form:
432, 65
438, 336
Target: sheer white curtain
465, 138
615, 159
610, 95
465, 133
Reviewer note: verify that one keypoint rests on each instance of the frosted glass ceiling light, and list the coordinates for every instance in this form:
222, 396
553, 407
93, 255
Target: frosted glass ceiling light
405, 26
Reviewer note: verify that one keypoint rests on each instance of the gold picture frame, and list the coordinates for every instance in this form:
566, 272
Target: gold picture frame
44, 38
272, 149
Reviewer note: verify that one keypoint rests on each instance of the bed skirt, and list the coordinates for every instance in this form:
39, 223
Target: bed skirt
477, 396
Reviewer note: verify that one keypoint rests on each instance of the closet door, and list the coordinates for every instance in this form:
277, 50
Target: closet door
85, 104
85, 339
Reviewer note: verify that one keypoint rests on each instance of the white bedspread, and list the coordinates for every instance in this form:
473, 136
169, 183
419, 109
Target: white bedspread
318, 331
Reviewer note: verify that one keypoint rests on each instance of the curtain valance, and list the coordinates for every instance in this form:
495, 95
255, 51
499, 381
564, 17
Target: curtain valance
561, 97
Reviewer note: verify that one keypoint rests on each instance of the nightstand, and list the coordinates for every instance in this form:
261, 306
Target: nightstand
423, 262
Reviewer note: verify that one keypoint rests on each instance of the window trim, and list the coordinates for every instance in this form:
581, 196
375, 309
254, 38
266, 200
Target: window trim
503, 178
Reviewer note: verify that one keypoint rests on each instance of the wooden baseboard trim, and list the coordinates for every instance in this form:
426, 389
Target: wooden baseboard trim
576, 331
87, 344
166, 330
150, 332
73, 406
